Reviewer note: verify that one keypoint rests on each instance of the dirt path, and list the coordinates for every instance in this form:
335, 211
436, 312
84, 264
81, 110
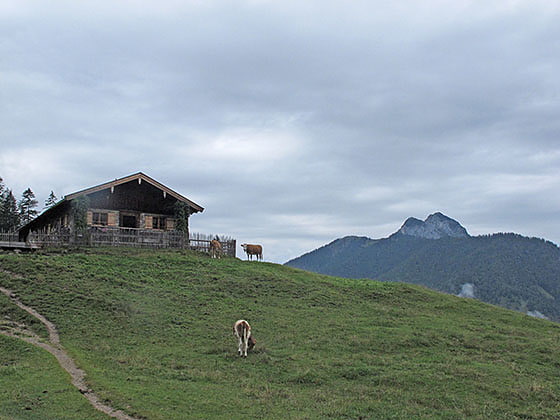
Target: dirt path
18, 330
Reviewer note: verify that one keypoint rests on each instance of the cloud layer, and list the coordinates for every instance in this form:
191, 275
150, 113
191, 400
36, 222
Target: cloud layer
292, 124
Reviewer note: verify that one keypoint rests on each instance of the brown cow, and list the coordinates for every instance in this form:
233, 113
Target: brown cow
242, 330
215, 248
252, 250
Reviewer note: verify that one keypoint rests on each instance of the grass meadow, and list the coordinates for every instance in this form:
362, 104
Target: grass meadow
152, 330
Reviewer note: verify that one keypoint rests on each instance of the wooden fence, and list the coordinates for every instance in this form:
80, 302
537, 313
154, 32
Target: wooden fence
9, 237
130, 237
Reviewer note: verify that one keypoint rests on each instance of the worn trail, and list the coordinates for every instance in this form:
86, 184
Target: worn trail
54, 347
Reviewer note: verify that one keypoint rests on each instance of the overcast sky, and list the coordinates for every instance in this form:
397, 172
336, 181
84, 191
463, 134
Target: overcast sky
293, 123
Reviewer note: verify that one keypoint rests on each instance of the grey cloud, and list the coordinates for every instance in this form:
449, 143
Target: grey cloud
302, 122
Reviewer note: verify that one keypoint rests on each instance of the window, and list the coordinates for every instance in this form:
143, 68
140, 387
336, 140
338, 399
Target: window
100, 219
158, 222
128, 221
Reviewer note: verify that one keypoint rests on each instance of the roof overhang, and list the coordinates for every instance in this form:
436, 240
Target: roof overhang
141, 177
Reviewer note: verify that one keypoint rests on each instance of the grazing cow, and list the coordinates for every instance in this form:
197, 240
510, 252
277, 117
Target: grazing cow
242, 330
215, 248
252, 250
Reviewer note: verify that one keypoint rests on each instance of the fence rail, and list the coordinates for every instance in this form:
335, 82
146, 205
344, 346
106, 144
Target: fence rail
130, 237
9, 237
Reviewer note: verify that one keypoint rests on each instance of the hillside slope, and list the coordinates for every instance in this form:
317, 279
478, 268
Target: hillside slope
152, 329
509, 270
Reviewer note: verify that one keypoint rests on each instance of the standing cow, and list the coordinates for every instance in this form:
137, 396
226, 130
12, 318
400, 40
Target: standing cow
252, 250
242, 330
215, 248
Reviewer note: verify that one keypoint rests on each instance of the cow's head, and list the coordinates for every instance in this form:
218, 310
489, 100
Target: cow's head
251, 343
244, 246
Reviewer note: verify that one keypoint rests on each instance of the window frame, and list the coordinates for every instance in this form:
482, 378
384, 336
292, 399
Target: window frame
159, 222
99, 218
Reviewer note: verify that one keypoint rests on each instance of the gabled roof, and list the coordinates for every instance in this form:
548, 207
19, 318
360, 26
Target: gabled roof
137, 176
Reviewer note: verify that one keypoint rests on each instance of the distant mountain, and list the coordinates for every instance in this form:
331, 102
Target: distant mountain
505, 269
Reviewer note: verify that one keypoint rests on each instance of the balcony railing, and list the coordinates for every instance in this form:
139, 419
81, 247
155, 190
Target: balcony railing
131, 237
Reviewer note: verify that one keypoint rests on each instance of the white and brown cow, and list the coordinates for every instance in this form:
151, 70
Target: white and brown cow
242, 330
215, 248
252, 250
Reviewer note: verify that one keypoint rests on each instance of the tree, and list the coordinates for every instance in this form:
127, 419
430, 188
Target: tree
51, 200
3, 220
9, 216
27, 206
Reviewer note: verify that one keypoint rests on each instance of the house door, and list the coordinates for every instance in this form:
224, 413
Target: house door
128, 221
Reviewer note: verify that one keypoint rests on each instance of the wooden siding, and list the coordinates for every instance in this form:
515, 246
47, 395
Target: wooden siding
145, 221
113, 219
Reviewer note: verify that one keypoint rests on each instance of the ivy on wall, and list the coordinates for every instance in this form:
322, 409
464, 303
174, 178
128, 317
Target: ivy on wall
182, 213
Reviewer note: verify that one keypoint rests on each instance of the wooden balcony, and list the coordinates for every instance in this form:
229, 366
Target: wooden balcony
129, 237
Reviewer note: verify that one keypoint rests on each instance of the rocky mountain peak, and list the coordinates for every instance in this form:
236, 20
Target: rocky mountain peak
435, 226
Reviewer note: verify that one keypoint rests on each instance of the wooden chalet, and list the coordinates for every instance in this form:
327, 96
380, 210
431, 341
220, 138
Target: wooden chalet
136, 205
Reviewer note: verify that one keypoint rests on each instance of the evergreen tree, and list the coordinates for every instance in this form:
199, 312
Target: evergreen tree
51, 200
3, 227
3, 218
9, 216
27, 206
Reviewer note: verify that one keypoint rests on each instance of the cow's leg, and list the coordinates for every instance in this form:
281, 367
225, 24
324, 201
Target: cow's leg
245, 341
245, 348
240, 347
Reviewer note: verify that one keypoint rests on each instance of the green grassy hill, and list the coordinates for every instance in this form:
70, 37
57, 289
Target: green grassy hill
152, 329
509, 270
